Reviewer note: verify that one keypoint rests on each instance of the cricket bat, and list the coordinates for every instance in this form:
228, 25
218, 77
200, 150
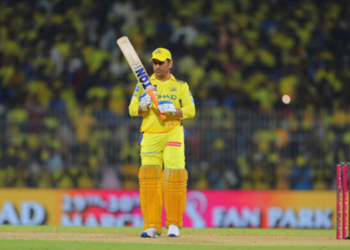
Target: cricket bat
137, 68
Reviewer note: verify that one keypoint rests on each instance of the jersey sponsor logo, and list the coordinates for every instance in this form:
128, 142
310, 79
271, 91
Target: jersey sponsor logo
142, 76
192, 100
172, 97
134, 96
137, 89
174, 144
155, 87
175, 123
172, 88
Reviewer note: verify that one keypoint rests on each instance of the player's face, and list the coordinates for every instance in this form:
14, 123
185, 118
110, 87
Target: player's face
161, 69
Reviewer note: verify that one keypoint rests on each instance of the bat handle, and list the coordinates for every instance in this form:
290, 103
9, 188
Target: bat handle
154, 99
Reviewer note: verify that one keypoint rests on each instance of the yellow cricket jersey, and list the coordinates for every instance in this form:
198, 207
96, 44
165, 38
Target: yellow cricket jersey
173, 90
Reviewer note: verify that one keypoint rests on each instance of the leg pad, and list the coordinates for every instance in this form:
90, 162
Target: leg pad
174, 189
150, 178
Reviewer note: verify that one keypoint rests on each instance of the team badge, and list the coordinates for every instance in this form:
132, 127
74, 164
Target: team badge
172, 89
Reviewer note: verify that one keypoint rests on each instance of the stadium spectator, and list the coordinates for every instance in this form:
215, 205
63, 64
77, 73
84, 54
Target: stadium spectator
65, 87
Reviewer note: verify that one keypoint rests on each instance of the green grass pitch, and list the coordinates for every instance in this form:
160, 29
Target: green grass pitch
97, 238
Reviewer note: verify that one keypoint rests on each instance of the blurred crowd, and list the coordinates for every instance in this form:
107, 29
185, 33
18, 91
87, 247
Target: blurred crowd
65, 88
259, 150
227, 149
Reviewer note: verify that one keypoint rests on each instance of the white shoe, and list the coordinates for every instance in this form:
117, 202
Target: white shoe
150, 233
173, 231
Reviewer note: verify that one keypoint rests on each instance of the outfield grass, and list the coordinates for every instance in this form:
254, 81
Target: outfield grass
68, 245
57, 238
256, 231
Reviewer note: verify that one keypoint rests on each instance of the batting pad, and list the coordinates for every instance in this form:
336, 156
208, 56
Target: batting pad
150, 178
174, 189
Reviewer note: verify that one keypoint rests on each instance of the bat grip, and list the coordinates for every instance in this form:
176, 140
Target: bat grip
154, 99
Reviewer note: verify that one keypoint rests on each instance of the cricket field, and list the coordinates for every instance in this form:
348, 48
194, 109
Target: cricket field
97, 238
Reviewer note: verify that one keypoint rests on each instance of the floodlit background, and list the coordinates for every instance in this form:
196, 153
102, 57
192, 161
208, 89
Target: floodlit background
270, 81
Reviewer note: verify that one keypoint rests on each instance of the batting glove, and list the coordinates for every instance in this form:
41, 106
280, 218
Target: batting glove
166, 107
145, 102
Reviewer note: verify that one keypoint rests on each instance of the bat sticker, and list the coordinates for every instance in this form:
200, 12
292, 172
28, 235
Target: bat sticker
141, 75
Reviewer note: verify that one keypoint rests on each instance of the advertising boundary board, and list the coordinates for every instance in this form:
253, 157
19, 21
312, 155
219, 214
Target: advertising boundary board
205, 208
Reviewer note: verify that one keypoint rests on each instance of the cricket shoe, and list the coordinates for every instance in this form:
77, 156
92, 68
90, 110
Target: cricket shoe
173, 231
150, 233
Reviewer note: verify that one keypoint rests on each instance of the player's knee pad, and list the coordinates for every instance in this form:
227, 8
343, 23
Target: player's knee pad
150, 179
174, 189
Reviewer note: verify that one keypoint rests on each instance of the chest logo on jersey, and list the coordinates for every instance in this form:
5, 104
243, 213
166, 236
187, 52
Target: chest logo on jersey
172, 97
173, 89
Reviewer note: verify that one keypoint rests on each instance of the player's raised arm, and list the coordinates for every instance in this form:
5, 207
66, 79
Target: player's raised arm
138, 69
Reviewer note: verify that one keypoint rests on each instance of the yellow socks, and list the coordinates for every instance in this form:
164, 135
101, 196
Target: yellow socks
150, 178
174, 189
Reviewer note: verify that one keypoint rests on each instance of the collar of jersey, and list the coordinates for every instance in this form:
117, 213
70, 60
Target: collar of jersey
172, 78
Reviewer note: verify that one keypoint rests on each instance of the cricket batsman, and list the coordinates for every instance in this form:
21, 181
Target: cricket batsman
162, 142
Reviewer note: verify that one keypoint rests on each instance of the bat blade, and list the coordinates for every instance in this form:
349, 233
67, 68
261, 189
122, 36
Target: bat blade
134, 62
137, 68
